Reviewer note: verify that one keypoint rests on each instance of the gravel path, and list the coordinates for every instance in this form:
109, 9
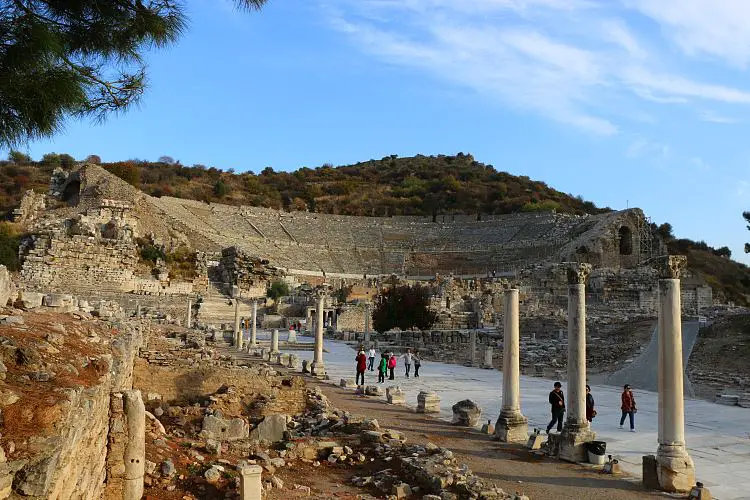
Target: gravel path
509, 466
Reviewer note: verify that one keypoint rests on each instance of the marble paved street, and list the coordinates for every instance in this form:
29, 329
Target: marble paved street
718, 437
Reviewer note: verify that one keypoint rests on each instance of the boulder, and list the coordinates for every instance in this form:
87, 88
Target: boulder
271, 429
224, 429
466, 413
58, 300
373, 390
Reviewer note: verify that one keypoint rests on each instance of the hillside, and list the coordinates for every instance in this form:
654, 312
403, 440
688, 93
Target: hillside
420, 185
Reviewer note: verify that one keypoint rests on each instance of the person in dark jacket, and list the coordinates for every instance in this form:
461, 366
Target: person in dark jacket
417, 364
590, 412
628, 407
557, 404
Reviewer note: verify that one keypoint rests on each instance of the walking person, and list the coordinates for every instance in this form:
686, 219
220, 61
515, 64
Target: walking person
557, 404
590, 411
392, 365
417, 364
628, 407
361, 360
371, 359
382, 368
408, 357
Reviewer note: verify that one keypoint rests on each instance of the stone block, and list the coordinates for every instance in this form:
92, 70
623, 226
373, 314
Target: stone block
345, 383
293, 361
395, 395
30, 300
271, 429
428, 402
466, 413
401, 490
58, 300
573, 443
649, 474
7, 289
535, 441
512, 427
373, 390
224, 429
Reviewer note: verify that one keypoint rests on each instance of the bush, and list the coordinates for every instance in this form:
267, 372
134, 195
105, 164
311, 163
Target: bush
277, 290
405, 307
152, 253
9, 240
220, 189
19, 157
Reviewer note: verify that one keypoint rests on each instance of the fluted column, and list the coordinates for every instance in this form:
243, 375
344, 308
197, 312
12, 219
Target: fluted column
237, 329
189, 320
511, 425
576, 430
253, 328
318, 366
675, 468
275, 340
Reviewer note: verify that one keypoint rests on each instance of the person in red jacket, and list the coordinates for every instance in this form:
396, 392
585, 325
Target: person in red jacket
628, 407
361, 366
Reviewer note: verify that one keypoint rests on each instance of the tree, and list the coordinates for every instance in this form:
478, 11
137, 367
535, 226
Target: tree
746, 215
81, 58
96, 159
51, 159
18, 157
665, 231
723, 252
404, 307
67, 161
277, 290
220, 188
166, 159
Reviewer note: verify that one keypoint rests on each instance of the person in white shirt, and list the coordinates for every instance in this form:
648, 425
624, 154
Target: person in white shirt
407, 361
371, 359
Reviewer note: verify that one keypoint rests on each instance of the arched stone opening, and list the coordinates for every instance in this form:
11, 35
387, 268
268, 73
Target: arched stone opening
626, 240
71, 192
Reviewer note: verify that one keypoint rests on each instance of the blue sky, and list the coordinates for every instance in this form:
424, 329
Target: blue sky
625, 102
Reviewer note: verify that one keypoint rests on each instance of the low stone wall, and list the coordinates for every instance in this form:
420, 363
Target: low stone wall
186, 384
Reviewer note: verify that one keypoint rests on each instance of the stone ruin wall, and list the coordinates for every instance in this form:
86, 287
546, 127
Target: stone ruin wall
76, 461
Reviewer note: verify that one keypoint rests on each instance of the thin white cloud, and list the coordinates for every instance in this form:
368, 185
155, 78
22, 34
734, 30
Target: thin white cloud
716, 28
575, 62
710, 116
641, 148
700, 163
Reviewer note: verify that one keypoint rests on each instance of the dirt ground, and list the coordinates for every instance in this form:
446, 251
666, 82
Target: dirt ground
509, 466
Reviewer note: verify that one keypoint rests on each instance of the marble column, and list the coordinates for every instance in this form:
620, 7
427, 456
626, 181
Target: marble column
237, 329
488, 356
317, 367
367, 322
189, 321
473, 347
674, 467
275, 340
511, 425
576, 431
253, 328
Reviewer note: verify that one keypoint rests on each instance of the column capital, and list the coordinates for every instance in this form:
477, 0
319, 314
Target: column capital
669, 266
578, 272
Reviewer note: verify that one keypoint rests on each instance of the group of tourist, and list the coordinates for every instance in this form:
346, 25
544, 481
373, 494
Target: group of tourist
557, 404
386, 365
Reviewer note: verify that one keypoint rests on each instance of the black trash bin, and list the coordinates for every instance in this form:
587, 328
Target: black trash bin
596, 451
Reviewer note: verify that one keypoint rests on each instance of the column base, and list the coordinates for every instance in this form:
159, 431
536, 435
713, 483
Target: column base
674, 469
318, 369
512, 427
573, 439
